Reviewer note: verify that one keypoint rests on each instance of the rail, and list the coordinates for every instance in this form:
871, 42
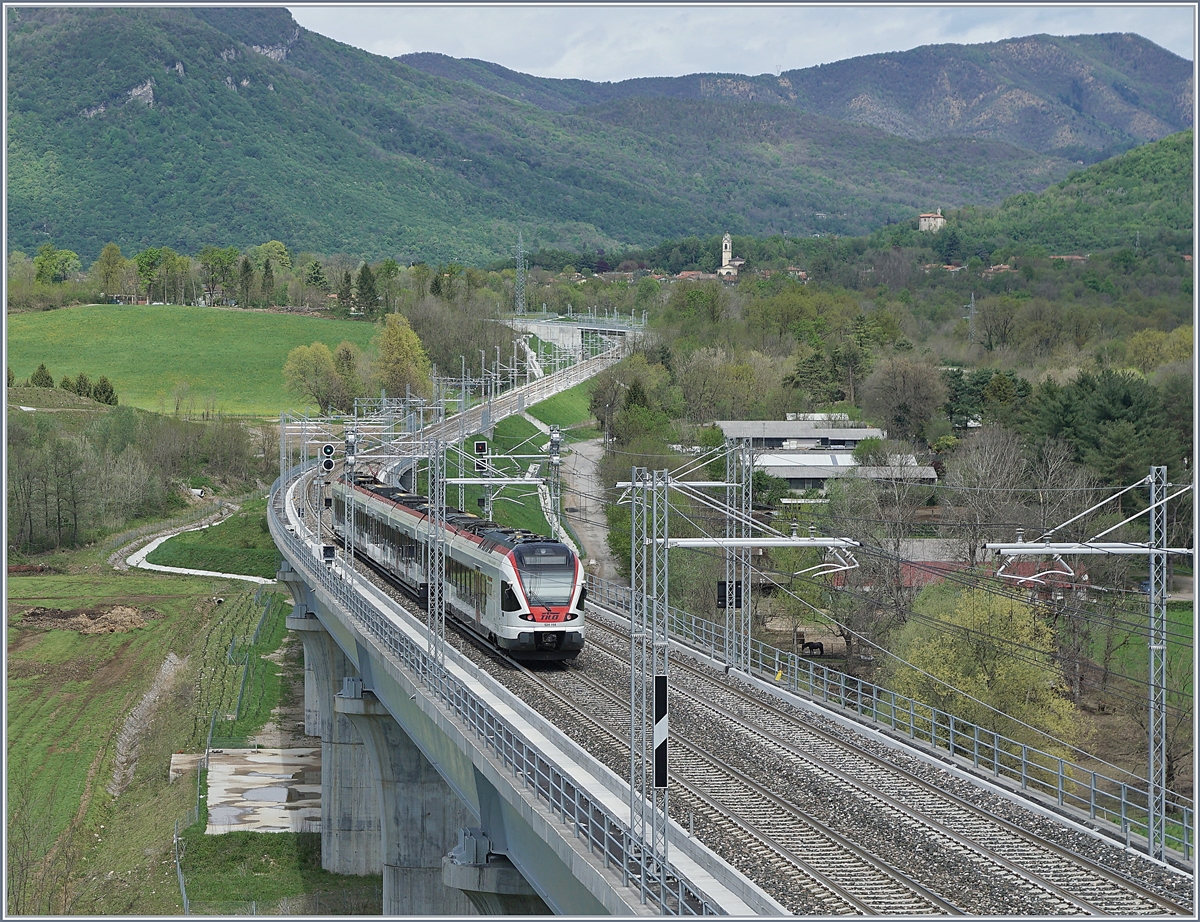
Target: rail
1067, 783
605, 833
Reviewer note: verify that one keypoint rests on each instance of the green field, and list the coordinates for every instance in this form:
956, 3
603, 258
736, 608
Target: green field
233, 357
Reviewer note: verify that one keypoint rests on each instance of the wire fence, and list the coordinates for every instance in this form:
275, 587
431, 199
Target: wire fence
235, 731
1109, 798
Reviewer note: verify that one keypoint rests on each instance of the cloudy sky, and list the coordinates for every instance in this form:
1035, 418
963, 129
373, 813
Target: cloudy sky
619, 41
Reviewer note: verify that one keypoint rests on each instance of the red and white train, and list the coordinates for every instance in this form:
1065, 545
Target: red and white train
521, 592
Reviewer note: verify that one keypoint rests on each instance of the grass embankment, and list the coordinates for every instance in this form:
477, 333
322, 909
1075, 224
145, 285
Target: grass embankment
232, 357
69, 694
569, 411
240, 544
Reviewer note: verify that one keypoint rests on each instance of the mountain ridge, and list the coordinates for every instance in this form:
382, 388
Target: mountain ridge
1088, 98
185, 127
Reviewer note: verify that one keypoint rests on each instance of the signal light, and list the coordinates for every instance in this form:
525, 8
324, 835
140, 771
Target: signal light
327, 451
327, 465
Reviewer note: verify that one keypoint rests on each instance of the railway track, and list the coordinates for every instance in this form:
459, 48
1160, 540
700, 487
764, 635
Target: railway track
1034, 875
823, 825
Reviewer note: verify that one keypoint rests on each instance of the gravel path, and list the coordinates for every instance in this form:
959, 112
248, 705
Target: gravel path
581, 492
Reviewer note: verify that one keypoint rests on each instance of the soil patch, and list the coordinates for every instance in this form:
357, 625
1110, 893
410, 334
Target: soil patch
115, 620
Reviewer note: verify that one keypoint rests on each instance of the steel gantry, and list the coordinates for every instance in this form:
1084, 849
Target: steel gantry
739, 478
649, 495
648, 639
1157, 551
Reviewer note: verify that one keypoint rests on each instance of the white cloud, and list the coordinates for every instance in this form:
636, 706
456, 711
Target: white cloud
616, 42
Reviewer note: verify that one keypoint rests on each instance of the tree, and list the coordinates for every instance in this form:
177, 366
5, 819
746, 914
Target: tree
147, 268
366, 297
345, 293
53, 265
268, 283
245, 282
904, 393
346, 359
983, 479
402, 361
109, 269
217, 265
41, 377
387, 276
314, 276
271, 250
995, 322
605, 400
989, 660
102, 392
309, 372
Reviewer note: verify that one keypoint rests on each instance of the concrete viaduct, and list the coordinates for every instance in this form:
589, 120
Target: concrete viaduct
446, 783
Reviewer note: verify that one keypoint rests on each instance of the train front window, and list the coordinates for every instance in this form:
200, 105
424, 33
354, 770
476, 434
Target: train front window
547, 573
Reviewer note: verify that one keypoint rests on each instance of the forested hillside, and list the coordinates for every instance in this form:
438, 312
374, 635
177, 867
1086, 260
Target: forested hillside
232, 126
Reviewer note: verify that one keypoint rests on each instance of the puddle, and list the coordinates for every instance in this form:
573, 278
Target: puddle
225, 816
277, 793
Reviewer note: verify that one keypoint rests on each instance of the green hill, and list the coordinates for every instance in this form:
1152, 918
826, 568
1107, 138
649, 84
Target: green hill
1145, 195
229, 357
181, 128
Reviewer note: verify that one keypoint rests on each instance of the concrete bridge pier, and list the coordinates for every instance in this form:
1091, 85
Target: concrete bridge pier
350, 831
303, 607
418, 812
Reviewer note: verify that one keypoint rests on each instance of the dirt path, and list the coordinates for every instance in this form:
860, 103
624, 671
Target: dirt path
582, 493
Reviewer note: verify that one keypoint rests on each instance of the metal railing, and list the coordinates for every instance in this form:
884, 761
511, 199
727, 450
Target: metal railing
605, 833
1101, 797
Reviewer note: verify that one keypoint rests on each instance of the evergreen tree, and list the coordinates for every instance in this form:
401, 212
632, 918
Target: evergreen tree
12, 379
345, 293
314, 276
367, 297
103, 392
67, 383
41, 378
245, 282
83, 386
268, 283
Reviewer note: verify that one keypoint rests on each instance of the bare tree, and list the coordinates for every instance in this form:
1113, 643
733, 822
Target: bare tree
983, 479
904, 392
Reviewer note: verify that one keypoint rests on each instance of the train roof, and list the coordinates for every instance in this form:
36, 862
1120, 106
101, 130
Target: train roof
461, 521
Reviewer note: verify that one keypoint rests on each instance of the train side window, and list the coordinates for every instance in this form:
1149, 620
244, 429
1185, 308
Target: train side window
508, 598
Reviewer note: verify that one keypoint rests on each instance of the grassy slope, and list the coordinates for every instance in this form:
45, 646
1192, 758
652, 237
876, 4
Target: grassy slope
241, 544
566, 410
237, 356
69, 693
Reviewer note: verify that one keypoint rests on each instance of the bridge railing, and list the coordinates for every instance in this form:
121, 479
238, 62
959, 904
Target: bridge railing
606, 834
1101, 796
